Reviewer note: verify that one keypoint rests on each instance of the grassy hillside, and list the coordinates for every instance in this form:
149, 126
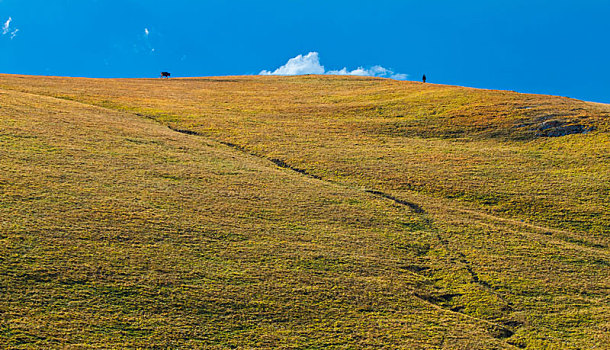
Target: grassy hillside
300, 212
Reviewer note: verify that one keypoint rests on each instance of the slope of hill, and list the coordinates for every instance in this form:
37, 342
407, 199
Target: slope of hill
300, 212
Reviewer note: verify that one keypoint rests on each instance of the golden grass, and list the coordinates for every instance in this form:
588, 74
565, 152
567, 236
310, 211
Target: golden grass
474, 145
117, 231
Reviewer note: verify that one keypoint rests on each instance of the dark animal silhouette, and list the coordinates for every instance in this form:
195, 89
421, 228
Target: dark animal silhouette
424, 78
165, 74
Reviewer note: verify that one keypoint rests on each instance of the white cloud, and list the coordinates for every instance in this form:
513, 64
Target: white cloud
375, 71
310, 64
399, 76
6, 28
7, 25
147, 40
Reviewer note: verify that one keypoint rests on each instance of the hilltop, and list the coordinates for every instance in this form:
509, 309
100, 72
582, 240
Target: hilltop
300, 212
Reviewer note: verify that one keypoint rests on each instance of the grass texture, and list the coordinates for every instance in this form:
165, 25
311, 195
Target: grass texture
300, 212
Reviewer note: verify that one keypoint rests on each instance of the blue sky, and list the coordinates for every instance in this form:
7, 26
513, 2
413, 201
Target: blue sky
552, 47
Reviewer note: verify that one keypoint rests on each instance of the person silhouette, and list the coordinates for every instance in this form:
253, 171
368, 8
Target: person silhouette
424, 78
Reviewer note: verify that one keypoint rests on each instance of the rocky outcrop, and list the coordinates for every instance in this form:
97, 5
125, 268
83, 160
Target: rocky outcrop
556, 128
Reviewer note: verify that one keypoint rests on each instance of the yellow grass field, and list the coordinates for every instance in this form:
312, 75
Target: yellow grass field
300, 212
